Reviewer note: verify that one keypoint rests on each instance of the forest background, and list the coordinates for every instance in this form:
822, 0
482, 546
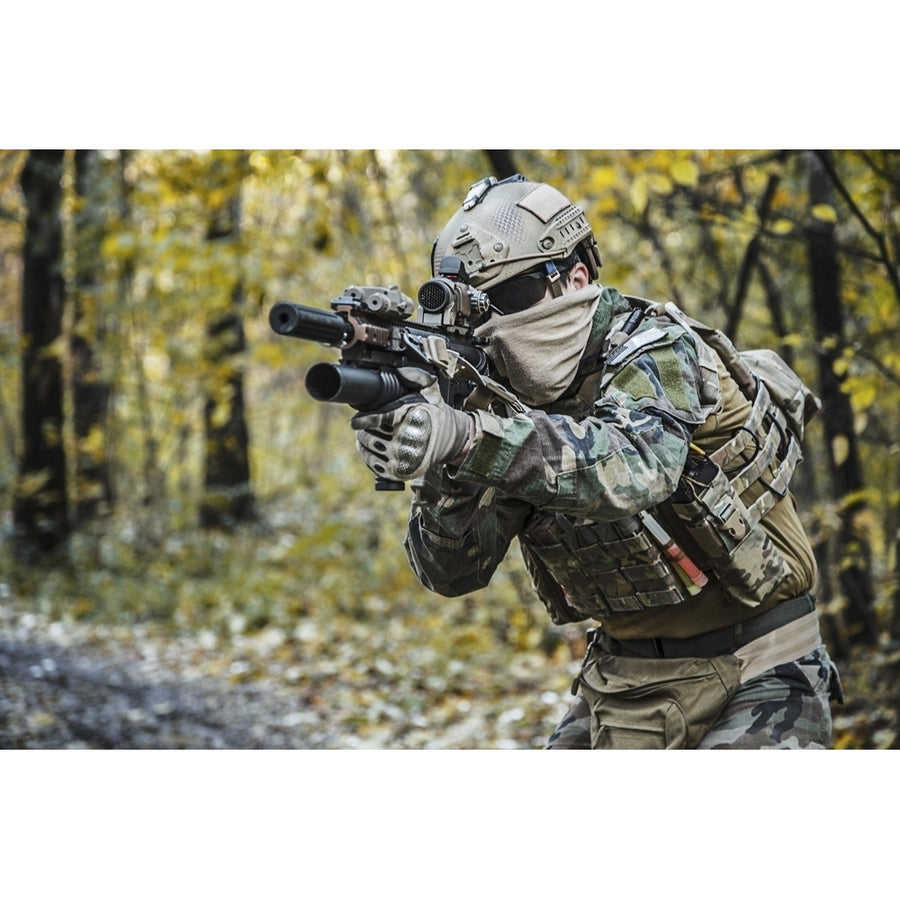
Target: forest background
163, 472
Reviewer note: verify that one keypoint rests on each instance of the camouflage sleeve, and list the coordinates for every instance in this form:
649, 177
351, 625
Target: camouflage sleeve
625, 457
455, 545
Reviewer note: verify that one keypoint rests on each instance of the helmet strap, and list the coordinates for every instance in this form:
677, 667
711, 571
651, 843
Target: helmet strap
554, 278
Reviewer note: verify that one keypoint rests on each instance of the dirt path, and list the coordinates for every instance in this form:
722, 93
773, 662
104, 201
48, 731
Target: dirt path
63, 686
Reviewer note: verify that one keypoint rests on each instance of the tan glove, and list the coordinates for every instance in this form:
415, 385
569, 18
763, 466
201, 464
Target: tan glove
404, 440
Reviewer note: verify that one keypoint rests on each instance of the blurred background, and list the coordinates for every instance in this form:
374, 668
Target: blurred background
176, 509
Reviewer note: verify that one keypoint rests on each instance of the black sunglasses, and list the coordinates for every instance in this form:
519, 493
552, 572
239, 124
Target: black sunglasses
519, 293
525, 290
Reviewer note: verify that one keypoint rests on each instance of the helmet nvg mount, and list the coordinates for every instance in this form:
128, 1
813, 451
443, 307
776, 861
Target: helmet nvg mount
508, 227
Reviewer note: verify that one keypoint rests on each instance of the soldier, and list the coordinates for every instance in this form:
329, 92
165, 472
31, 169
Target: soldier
643, 466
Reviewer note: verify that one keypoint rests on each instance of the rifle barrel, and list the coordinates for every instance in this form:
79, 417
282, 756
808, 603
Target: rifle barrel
309, 323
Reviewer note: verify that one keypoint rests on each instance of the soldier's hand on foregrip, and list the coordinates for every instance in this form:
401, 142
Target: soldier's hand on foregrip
404, 441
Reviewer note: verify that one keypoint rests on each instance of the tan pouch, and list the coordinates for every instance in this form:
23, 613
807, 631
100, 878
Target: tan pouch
655, 704
747, 564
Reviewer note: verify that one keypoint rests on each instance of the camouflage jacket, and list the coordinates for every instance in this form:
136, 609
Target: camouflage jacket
578, 471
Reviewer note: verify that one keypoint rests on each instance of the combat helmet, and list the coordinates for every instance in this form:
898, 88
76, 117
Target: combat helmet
504, 228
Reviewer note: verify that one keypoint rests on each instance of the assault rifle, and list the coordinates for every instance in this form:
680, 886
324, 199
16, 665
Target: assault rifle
371, 326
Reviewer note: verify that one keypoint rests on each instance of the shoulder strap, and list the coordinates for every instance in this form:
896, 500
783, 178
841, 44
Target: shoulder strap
749, 368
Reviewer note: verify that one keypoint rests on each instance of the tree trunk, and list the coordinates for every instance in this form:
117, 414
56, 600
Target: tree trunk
40, 514
228, 497
153, 484
852, 554
90, 392
502, 163
895, 597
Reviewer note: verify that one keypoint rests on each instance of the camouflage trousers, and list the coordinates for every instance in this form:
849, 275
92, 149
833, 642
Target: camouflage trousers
786, 707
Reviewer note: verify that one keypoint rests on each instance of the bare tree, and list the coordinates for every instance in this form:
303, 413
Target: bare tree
752, 251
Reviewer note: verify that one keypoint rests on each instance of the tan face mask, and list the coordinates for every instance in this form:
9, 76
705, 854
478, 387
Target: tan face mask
538, 350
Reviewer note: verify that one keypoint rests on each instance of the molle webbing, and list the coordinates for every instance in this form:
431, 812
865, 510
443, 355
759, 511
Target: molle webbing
595, 568
766, 436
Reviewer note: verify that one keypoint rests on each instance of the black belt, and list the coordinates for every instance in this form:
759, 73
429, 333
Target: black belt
712, 643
